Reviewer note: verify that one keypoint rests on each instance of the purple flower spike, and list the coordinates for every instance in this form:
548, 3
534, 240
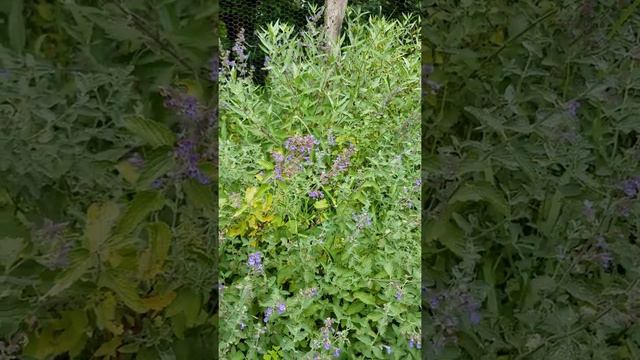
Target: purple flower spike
281, 308
267, 314
327, 345
572, 107
316, 194
255, 261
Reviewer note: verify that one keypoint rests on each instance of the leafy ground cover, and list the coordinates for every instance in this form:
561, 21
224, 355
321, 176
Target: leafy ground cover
106, 237
531, 171
320, 195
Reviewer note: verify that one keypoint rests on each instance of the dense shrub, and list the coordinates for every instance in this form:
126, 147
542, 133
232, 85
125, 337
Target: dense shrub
531, 170
319, 195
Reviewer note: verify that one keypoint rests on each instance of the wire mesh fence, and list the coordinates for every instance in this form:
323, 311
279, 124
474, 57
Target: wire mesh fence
249, 16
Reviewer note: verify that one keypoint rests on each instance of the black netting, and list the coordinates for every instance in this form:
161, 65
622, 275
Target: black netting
252, 15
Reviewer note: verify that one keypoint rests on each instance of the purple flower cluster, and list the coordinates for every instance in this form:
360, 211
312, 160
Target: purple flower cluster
331, 139
214, 65
340, 164
631, 187
449, 308
427, 69
316, 194
301, 146
572, 107
267, 314
601, 253
326, 331
309, 293
588, 211
415, 341
239, 49
185, 105
136, 160
191, 136
188, 157
362, 220
51, 231
298, 148
60, 258
281, 308
255, 262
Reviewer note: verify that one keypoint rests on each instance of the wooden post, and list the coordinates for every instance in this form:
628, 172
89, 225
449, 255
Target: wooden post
334, 15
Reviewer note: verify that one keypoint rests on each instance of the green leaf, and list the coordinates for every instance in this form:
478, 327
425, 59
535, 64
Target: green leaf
155, 168
100, 220
486, 118
156, 253
199, 195
10, 248
128, 171
152, 132
79, 266
144, 203
105, 313
365, 297
322, 204
481, 191
109, 348
17, 30
187, 303
448, 234
354, 308
124, 287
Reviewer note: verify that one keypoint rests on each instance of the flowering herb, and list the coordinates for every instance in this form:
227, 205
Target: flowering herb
255, 262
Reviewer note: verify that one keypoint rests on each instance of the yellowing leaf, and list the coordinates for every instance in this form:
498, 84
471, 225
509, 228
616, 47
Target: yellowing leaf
250, 194
100, 220
109, 348
159, 302
106, 314
322, 204
128, 171
498, 37
153, 258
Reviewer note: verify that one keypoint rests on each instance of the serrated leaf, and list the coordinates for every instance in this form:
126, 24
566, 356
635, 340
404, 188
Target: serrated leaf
152, 132
365, 297
144, 203
486, 118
